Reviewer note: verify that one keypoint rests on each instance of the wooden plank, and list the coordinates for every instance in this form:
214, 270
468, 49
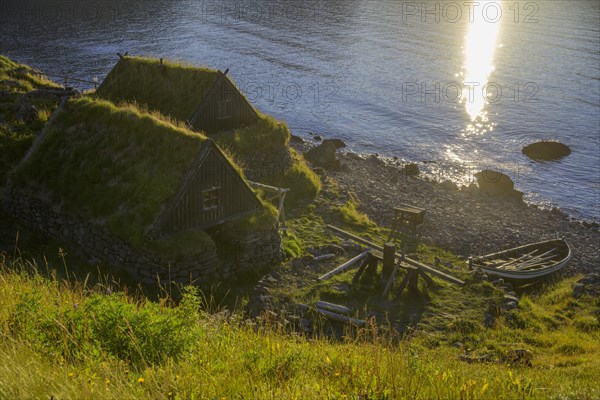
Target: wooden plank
324, 257
407, 278
269, 187
427, 278
344, 266
514, 260
391, 280
325, 305
418, 264
361, 270
341, 318
434, 272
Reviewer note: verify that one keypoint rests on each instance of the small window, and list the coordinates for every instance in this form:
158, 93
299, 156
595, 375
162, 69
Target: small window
210, 199
224, 109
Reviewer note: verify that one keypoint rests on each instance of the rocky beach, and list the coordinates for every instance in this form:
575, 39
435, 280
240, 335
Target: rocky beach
463, 220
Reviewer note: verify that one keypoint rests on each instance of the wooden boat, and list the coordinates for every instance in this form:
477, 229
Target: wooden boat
525, 263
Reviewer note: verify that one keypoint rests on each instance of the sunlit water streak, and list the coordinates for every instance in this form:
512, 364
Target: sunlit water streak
479, 49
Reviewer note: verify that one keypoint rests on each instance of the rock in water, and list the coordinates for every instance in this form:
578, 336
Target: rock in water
338, 143
546, 150
411, 169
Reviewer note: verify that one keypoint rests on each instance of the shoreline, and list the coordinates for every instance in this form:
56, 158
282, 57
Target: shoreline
461, 220
426, 172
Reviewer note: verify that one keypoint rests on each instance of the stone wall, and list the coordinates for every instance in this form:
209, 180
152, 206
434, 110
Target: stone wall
95, 244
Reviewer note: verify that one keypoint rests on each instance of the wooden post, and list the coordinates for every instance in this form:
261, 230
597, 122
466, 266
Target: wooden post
413, 282
281, 209
389, 253
412, 271
360, 271
371, 266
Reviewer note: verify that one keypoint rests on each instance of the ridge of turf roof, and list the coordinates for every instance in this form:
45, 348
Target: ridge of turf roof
173, 89
113, 166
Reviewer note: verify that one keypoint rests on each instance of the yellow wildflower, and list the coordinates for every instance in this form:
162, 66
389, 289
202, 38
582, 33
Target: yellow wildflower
141, 380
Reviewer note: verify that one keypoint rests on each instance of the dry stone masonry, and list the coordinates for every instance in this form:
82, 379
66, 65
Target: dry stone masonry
93, 243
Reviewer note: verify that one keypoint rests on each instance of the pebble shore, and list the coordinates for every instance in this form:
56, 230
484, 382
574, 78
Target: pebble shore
463, 220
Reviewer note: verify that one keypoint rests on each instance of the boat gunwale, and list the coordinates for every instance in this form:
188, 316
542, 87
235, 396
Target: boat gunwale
530, 273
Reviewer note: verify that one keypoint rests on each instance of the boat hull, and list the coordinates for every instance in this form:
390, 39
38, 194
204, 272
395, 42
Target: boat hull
562, 258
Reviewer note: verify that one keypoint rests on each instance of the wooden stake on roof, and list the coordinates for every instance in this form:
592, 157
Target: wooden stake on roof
281, 192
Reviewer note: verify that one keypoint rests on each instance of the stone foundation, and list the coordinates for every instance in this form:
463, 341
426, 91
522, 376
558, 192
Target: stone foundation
95, 244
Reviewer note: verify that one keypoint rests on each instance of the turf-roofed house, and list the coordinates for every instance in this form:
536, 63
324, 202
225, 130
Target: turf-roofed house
142, 193
206, 99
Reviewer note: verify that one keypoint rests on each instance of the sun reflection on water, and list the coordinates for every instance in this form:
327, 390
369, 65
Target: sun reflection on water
479, 49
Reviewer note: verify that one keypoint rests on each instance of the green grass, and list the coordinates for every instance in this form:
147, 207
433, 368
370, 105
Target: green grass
259, 220
173, 89
16, 136
121, 188
352, 216
66, 340
270, 136
303, 183
266, 134
20, 78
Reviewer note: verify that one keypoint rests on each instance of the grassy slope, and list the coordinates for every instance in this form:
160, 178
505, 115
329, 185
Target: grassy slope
16, 135
61, 340
173, 89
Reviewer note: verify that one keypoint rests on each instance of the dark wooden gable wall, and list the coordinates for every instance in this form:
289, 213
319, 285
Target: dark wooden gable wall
212, 192
223, 108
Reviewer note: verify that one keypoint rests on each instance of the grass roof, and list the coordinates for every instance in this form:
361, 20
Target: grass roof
15, 77
171, 88
113, 166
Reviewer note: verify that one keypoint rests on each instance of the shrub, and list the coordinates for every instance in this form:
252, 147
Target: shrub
303, 183
352, 216
587, 323
141, 333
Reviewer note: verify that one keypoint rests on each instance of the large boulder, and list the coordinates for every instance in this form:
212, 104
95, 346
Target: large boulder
496, 183
323, 156
338, 143
546, 150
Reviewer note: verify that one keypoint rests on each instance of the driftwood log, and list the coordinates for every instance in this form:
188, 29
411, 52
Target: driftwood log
325, 305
